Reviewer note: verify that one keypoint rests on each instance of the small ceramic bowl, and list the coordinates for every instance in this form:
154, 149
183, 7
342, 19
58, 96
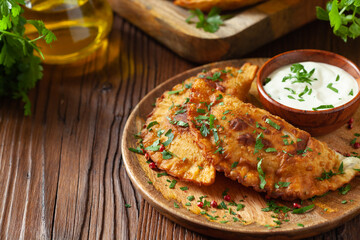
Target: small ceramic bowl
315, 122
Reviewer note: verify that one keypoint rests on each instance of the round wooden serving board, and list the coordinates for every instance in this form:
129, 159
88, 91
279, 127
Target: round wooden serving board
249, 222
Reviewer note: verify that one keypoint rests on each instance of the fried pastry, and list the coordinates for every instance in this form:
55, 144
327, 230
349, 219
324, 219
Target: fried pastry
167, 137
263, 151
206, 5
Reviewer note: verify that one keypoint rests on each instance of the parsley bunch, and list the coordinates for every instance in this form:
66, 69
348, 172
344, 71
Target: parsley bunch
210, 23
19, 68
344, 17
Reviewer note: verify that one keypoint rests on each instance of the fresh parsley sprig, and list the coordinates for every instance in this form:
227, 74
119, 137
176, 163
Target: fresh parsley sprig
19, 68
344, 17
210, 23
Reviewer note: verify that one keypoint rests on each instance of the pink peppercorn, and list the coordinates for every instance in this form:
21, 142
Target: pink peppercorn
296, 205
214, 204
200, 204
152, 165
227, 198
162, 148
351, 120
357, 145
147, 156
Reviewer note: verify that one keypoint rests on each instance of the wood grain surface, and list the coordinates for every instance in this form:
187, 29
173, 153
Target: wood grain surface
61, 170
239, 35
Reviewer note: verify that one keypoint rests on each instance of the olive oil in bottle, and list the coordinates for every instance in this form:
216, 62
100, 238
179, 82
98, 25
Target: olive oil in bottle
80, 26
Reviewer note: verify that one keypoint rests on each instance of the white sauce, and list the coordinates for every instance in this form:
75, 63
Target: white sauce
325, 82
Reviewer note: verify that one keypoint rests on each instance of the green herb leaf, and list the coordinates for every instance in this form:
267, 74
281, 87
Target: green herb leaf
173, 183
127, 205
136, 150
344, 190
190, 198
166, 155
303, 209
330, 86
261, 175
282, 184
162, 174
184, 188
323, 107
210, 23
154, 147
273, 124
176, 205
234, 164
170, 137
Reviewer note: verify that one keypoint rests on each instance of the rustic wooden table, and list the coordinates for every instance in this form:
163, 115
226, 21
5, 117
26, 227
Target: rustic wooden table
61, 170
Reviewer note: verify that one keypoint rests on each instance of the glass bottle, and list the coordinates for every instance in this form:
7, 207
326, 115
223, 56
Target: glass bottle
80, 26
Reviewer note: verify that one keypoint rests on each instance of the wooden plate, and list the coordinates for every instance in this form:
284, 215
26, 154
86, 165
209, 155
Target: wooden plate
329, 212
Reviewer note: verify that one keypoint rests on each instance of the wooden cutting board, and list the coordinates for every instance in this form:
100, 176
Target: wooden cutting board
248, 29
247, 223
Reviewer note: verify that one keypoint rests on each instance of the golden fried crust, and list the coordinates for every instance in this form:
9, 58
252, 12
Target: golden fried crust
206, 5
187, 162
190, 160
247, 135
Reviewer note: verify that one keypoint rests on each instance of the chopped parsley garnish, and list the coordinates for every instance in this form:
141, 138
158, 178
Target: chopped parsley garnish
188, 204
258, 144
151, 124
176, 205
175, 92
239, 206
272, 206
200, 110
224, 221
234, 164
261, 175
270, 150
301, 74
291, 97
330, 86
170, 137
267, 80
222, 205
187, 86
323, 107
180, 111
155, 146
166, 155
327, 175
127, 205
184, 188
150, 182
337, 78
162, 174
291, 90
304, 92
204, 130
353, 141
219, 97
300, 225
219, 150
226, 112
160, 132
136, 150
303, 209
344, 202
216, 76
351, 93
173, 183
271, 123
200, 167
344, 190
190, 198
259, 126
282, 184
182, 124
